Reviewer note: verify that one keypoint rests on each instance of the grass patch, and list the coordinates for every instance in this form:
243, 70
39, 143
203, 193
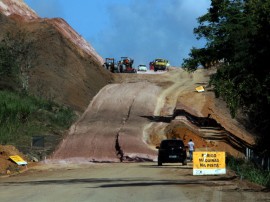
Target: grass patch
250, 171
23, 116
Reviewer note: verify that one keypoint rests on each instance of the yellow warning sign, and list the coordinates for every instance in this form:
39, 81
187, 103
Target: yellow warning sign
17, 159
209, 163
200, 89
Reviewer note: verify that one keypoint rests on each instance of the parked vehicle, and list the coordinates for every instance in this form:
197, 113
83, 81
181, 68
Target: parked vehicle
172, 151
142, 68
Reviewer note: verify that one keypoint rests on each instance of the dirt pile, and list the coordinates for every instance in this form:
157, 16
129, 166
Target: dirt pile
7, 166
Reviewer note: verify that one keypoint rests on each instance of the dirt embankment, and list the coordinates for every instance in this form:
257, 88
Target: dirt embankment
58, 64
198, 116
61, 65
125, 121
112, 124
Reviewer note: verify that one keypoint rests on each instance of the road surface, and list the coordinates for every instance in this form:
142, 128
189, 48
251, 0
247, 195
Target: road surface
116, 182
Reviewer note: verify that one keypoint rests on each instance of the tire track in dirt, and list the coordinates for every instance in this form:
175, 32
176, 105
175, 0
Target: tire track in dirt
181, 81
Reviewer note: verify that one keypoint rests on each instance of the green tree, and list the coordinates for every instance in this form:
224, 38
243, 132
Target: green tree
238, 37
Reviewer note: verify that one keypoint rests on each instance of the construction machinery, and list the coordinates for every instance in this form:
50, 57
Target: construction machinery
160, 64
125, 65
109, 64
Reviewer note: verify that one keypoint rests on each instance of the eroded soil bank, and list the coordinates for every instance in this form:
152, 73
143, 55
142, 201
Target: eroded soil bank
126, 120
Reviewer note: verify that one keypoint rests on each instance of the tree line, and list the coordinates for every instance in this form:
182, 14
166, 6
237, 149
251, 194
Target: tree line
237, 34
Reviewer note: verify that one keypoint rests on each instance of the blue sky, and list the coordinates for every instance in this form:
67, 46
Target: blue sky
141, 29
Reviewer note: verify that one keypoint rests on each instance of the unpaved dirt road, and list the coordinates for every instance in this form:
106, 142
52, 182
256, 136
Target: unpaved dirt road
116, 182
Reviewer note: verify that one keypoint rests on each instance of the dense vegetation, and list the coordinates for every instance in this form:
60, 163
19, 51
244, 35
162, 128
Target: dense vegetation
23, 116
249, 171
238, 43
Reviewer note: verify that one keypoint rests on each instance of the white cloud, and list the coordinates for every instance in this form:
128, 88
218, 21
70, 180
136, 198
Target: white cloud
141, 29
146, 29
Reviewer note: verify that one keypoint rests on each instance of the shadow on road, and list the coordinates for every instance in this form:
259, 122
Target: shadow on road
167, 166
124, 182
119, 182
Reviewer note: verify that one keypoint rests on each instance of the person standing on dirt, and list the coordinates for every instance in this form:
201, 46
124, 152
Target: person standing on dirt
191, 148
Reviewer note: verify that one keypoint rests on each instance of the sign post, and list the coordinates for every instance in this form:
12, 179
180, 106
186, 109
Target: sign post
209, 163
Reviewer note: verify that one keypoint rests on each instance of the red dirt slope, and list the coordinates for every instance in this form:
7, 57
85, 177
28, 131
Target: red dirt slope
63, 66
129, 119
